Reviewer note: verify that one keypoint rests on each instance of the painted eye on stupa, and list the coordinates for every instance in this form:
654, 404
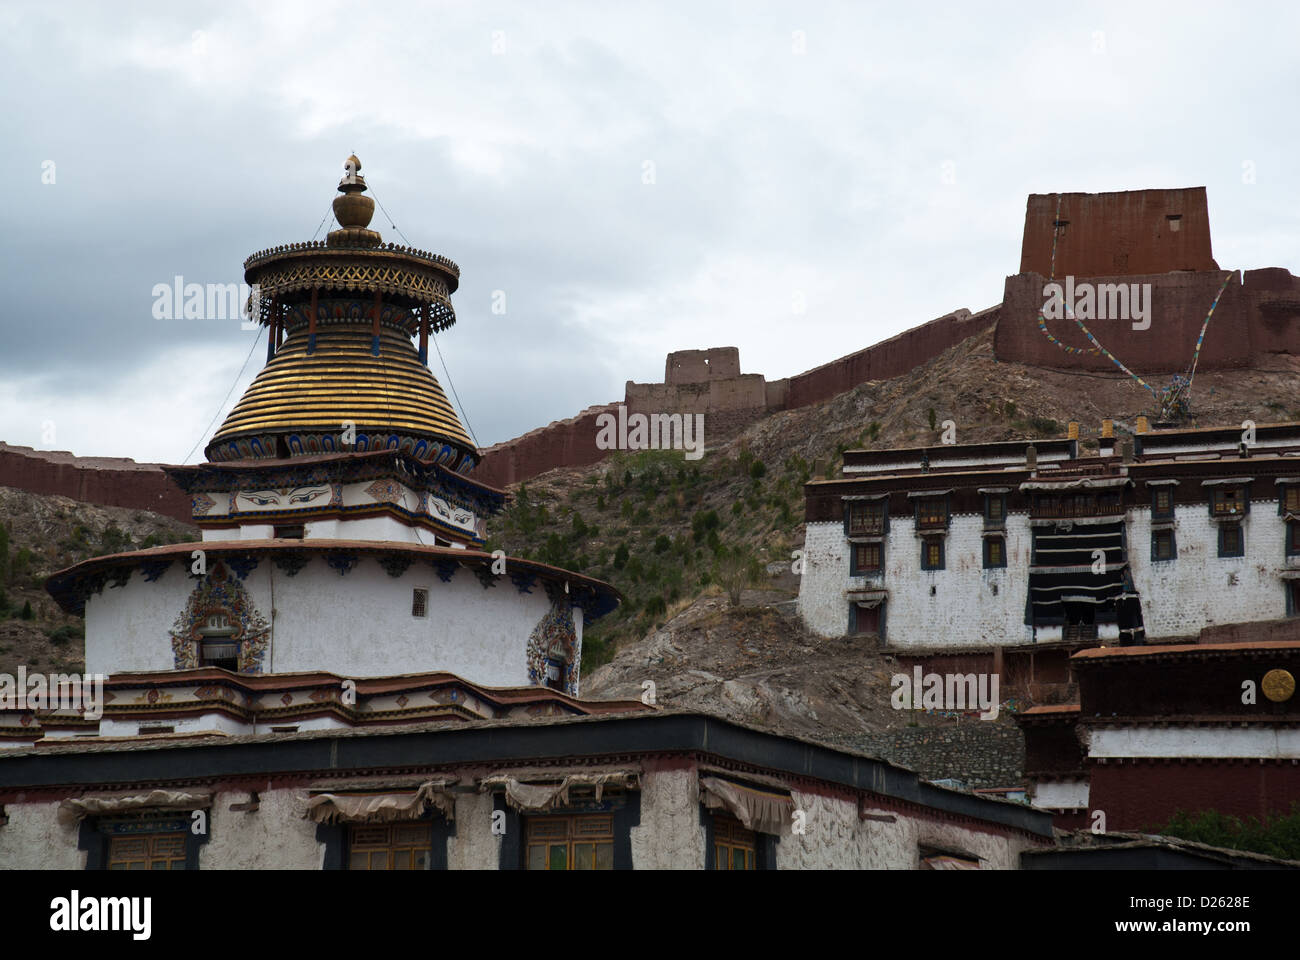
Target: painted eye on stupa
261, 499
307, 494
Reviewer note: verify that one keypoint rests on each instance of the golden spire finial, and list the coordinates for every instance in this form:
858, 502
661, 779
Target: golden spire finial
352, 210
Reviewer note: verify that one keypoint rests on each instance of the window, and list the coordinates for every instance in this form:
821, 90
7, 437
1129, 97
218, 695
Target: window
395, 846
932, 512
218, 643
995, 510
419, 602
1162, 545
148, 851
932, 553
289, 531
866, 559
1293, 598
1231, 541
866, 519
995, 552
1291, 499
1162, 502
734, 847
583, 842
865, 618
1228, 501
1293, 538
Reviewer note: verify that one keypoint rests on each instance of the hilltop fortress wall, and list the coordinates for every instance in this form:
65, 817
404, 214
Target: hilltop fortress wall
107, 481
1158, 240
710, 382
1155, 237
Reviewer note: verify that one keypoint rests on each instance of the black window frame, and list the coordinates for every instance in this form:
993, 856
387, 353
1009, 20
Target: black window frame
1236, 528
94, 835
926, 542
858, 571
764, 844
1216, 498
882, 503
935, 526
991, 522
1002, 541
1291, 539
1173, 546
513, 852
335, 838
1156, 512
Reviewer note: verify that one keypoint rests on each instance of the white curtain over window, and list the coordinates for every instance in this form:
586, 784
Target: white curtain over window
539, 792
73, 811
383, 807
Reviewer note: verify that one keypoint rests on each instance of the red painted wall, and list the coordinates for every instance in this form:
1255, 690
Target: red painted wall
107, 481
563, 443
1253, 319
1146, 793
890, 358
1118, 233
569, 443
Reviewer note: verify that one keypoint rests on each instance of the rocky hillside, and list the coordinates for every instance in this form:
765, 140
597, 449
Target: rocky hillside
756, 664
41, 535
664, 530
702, 551
677, 538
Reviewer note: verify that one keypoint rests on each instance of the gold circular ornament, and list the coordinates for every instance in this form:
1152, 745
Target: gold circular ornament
1278, 685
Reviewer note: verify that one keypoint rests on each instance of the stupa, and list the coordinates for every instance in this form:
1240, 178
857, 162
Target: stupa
342, 577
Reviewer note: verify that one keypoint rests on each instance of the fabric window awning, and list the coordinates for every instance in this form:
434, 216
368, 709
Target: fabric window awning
763, 809
73, 811
546, 792
1086, 483
372, 807
947, 862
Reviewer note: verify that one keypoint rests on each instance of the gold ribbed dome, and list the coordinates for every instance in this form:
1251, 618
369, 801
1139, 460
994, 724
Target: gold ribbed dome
299, 403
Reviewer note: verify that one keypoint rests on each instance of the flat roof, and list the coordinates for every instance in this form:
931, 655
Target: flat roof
451, 743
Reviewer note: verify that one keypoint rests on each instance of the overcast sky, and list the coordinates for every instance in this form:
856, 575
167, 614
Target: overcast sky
871, 162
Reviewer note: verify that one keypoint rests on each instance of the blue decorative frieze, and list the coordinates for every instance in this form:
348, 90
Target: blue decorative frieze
395, 565
342, 562
151, 570
290, 563
242, 566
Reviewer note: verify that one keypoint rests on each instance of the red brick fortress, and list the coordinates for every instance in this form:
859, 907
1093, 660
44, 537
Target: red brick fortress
1155, 237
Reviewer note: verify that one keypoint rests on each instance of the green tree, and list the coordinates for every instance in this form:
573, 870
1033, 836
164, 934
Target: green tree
736, 569
27, 610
